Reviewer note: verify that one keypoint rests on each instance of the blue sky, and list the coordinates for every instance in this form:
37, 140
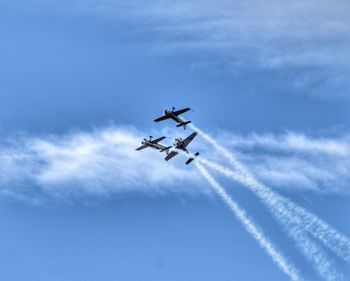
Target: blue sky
81, 82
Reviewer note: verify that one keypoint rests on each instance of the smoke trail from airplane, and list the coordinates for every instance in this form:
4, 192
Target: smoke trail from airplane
256, 233
228, 155
292, 224
314, 253
334, 240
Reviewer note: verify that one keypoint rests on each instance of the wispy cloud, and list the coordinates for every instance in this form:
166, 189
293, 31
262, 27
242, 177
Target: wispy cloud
291, 141
293, 33
307, 40
101, 162
296, 160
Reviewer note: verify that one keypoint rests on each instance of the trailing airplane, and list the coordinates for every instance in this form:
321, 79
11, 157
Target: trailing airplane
175, 115
154, 144
181, 144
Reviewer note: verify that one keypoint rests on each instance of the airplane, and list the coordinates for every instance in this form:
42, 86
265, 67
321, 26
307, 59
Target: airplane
154, 144
175, 115
181, 144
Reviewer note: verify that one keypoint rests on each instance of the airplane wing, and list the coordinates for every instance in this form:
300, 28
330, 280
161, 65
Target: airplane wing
172, 154
142, 147
181, 111
190, 138
158, 140
165, 117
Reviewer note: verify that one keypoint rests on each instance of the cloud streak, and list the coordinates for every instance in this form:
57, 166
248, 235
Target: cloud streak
306, 41
100, 162
293, 142
294, 160
103, 162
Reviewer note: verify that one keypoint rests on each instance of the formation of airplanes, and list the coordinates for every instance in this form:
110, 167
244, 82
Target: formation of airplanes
179, 145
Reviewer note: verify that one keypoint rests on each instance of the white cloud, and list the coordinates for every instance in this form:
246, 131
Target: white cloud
297, 161
293, 141
308, 40
271, 33
292, 33
102, 162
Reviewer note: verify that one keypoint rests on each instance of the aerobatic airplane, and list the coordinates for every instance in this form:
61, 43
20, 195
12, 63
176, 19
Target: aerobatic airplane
181, 144
154, 144
174, 115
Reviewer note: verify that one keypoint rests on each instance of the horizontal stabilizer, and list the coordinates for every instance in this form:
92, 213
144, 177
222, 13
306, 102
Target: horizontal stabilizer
184, 124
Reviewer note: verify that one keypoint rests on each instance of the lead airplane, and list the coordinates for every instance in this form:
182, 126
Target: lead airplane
175, 115
181, 144
154, 144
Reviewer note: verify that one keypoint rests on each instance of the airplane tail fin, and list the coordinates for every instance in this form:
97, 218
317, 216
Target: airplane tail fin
166, 149
184, 124
190, 160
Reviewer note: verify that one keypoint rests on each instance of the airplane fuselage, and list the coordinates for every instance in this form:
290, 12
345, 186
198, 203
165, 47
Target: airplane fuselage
174, 117
179, 144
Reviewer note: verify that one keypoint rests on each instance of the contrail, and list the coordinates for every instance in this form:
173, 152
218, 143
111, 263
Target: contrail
257, 234
292, 224
333, 239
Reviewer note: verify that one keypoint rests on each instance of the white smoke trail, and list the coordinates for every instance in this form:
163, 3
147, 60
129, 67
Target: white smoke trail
229, 156
293, 225
257, 234
314, 254
333, 239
